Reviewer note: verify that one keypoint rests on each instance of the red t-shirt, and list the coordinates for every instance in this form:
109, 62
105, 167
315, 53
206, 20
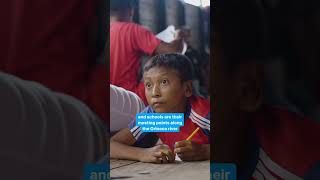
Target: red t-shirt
197, 115
48, 42
288, 145
128, 42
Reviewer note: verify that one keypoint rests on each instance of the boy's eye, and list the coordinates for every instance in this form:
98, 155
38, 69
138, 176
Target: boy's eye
148, 85
164, 81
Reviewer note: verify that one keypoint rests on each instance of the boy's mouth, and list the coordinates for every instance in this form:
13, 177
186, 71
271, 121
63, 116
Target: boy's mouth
157, 104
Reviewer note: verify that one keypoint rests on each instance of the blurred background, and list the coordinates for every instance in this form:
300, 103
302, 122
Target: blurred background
157, 15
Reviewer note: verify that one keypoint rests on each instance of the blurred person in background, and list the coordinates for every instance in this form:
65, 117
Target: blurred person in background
58, 44
129, 42
263, 141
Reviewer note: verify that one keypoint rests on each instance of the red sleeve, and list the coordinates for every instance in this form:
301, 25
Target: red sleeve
143, 40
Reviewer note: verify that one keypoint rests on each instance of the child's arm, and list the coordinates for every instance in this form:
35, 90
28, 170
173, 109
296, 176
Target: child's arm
121, 148
192, 151
119, 144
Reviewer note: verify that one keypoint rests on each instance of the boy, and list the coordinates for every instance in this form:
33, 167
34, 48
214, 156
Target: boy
168, 87
264, 142
128, 42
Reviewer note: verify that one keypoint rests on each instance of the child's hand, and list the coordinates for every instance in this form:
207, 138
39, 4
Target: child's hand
158, 154
192, 151
182, 33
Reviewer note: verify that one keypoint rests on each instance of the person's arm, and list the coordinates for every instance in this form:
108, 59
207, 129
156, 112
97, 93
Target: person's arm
145, 41
175, 46
121, 148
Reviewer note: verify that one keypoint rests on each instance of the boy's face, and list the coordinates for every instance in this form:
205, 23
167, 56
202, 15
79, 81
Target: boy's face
165, 91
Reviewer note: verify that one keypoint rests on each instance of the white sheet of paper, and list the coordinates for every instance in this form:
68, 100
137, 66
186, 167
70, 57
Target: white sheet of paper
177, 158
167, 36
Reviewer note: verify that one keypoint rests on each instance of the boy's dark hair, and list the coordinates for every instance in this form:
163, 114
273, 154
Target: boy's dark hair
120, 5
178, 62
242, 31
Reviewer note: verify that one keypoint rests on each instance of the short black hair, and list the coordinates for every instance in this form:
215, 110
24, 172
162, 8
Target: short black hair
241, 30
181, 63
120, 5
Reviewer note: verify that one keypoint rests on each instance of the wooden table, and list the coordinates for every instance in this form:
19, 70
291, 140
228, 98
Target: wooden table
132, 170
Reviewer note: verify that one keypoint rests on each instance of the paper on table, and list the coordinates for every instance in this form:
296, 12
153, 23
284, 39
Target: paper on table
167, 36
177, 158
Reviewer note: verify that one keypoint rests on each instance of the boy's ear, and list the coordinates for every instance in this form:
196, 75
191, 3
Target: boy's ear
187, 88
249, 82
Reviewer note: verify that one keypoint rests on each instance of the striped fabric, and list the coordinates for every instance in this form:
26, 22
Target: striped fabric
199, 120
288, 145
270, 170
45, 135
124, 107
197, 115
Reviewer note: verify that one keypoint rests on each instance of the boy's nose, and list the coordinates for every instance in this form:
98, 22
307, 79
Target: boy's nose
156, 91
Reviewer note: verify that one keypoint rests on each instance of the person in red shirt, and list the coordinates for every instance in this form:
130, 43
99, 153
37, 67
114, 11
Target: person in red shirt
51, 42
128, 42
168, 85
264, 142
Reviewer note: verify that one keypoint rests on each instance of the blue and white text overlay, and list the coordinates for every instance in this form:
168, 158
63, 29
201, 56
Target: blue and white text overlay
223, 171
96, 172
160, 122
